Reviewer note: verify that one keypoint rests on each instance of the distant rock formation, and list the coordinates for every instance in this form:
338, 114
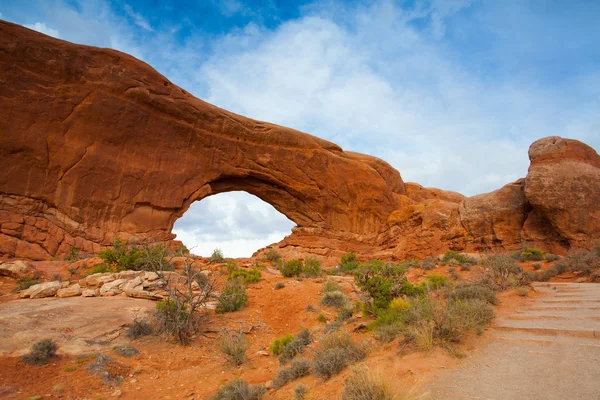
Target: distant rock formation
96, 144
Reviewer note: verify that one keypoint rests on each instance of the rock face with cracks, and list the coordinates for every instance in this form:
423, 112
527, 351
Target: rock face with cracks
96, 144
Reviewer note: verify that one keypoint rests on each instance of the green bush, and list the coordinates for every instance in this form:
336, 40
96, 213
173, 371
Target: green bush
233, 345
382, 282
295, 346
331, 286
311, 268
100, 269
349, 262
231, 265
532, 254
217, 256
335, 353
537, 266
41, 352
238, 389
321, 318
26, 283
138, 258
453, 257
279, 343
292, 268
233, 297
436, 281
247, 275
297, 369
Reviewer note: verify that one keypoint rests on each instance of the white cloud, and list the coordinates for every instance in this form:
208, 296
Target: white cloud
41, 27
137, 18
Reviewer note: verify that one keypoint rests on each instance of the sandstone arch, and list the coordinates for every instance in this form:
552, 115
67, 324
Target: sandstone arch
96, 144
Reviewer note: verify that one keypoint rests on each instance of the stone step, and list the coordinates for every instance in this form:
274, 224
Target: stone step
566, 316
543, 340
590, 334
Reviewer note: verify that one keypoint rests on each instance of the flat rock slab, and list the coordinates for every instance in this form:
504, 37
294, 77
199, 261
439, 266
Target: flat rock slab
549, 353
78, 324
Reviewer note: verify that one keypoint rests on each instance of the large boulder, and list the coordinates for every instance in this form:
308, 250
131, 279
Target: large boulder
69, 291
563, 185
17, 269
46, 289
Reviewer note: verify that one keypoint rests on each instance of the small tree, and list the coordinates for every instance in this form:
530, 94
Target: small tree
217, 256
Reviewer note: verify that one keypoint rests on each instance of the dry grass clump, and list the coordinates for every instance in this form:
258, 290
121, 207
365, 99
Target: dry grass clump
473, 291
336, 352
138, 329
297, 369
300, 392
364, 385
239, 389
335, 299
233, 344
126, 351
41, 352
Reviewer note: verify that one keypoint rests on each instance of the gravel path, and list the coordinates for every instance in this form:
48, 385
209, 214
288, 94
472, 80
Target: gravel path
549, 351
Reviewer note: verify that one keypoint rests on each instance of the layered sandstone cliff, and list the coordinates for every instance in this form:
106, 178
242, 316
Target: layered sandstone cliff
97, 144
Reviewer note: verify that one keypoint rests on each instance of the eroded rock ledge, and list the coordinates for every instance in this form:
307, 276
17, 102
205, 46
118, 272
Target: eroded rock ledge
97, 144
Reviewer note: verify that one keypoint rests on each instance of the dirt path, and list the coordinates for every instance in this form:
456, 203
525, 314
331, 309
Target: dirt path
548, 351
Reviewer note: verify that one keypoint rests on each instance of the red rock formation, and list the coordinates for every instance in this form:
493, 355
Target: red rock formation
97, 144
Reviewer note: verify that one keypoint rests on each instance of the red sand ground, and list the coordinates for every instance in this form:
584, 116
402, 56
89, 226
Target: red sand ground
165, 370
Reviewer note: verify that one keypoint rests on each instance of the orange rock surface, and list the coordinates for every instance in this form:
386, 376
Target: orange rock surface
97, 144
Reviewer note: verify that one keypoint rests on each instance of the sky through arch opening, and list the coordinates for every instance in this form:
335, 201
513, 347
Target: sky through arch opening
238, 223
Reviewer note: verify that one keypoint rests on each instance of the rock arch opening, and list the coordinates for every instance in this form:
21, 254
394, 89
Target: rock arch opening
236, 222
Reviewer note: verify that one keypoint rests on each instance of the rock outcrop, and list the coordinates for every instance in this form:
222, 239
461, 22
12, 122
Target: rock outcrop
17, 270
97, 144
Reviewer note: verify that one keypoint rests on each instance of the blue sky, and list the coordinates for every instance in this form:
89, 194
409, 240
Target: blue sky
450, 92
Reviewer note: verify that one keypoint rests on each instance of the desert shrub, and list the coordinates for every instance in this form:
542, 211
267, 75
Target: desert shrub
583, 262
453, 274
126, 351
233, 297
279, 285
41, 352
231, 265
106, 368
247, 275
532, 254
217, 256
363, 385
100, 269
502, 272
436, 281
453, 257
552, 257
300, 392
336, 352
73, 254
26, 283
239, 389
321, 318
233, 345
381, 282
349, 262
536, 266
138, 329
522, 291
292, 268
331, 286
387, 333
295, 346
310, 308
428, 264
297, 369
595, 277
279, 343
334, 299
145, 257
273, 255
453, 319
473, 291
311, 268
